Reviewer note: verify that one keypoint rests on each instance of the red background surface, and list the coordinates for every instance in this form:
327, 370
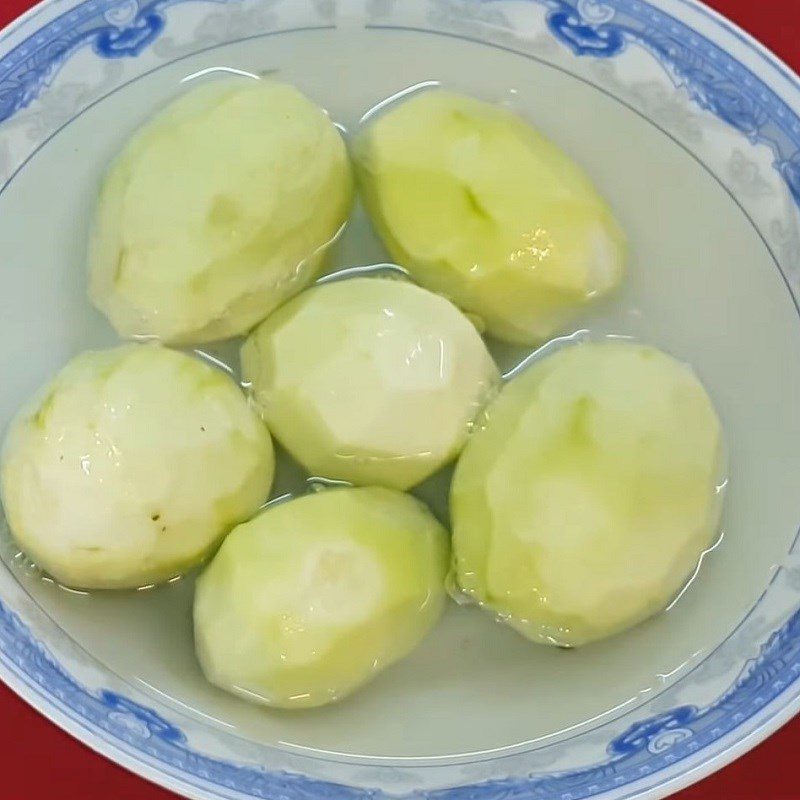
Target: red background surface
39, 761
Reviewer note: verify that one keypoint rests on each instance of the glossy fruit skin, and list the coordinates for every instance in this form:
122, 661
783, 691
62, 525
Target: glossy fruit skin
481, 207
314, 597
216, 211
584, 504
131, 466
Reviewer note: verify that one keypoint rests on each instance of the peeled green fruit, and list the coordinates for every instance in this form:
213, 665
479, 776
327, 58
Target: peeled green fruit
369, 380
481, 207
131, 466
585, 503
217, 211
315, 596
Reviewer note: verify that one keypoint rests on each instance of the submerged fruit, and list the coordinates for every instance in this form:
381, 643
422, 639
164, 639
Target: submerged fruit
481, 207
217, 211
369, 380
314, 597
131, 466
584, 504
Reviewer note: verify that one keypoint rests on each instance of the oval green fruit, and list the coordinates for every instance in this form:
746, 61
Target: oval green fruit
315, 596
217, 211
584, 504
131, 466
482, 208
369, 380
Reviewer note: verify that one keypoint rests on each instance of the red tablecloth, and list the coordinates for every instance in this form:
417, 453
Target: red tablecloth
39, 761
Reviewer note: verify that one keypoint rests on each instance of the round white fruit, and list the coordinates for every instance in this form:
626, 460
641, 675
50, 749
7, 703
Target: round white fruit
373, 381
131, 466
585, 503
315, 596
217, 211
481, 207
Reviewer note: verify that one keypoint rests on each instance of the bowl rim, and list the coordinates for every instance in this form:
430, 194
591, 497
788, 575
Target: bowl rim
770, 71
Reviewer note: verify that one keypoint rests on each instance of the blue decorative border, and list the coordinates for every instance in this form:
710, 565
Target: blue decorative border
718, 83
112, 28
645, 748
714, 79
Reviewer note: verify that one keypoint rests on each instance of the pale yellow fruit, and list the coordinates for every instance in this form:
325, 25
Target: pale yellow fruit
131, 466
369, 380
217, 211
585, 503
481, 207
315, 596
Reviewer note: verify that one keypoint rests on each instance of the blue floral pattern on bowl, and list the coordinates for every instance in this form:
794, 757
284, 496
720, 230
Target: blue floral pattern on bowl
646, 747
120, 29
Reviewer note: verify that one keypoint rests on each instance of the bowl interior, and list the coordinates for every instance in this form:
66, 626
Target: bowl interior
702, 284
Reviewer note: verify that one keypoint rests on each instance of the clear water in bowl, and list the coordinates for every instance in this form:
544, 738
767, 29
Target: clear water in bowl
701, 285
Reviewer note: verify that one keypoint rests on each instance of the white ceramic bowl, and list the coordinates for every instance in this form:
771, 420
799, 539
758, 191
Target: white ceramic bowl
693, 132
